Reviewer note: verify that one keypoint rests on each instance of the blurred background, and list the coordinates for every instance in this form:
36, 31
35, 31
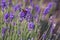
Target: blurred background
29, 19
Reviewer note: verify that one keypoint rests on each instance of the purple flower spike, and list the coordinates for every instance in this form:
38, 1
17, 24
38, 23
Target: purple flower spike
29, 17
11, 16
28, 14
37, 8
17, 7
47, 9
31, 26
22, 14
53, 25
44, 36
3, 31
6, 16
3, 5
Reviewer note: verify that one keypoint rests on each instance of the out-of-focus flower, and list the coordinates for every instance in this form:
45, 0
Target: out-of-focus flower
9, 2
6, 16
47, 9
53, 25
31, 26
11, 16
17, 7
32, 38
18, 32
37, 9
32, 4
3, 5
28, 9
37, 13
23, 14
36, 17
51, 19
44, 36
29, 17
31, 0
3, 31
26, 14
3, 0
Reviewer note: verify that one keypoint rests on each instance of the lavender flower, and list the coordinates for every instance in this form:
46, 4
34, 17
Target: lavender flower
17, 7
51, 19
52, 27
31, 26
28, 9
44, 36
29, 17
37, 13
3, 31
10, 2
47, 9
22, 14
11, 16
28, 14
36, 18
32, 4
6, 16
3, 5
37, 9
3, 0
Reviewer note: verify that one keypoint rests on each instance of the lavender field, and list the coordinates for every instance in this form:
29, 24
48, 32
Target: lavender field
29, 19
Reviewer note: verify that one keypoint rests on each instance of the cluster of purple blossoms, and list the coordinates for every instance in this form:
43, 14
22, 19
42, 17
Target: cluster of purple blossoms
31, 26
8, 16
26, 14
